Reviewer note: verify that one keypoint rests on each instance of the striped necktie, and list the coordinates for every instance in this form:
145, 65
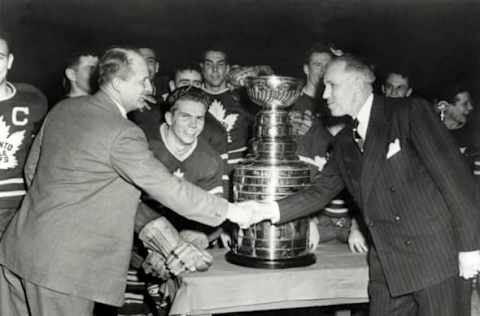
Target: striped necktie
356, 136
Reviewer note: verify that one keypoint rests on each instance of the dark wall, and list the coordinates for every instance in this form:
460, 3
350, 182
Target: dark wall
438, 40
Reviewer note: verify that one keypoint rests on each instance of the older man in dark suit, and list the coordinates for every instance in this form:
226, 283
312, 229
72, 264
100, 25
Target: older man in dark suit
417, 196
69, 245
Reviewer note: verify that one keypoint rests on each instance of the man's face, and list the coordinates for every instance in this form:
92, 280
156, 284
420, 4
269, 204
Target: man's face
316, 67
137, 86
151, 59
396, 86
6, 60
187, 120
188, 78
83, 72
341, 90
461, 107
215, 69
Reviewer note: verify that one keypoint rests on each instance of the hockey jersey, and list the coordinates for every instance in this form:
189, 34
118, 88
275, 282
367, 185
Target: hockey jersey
226, 108
21, 115
203, 167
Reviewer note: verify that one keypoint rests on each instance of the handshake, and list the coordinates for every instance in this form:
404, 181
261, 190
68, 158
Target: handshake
248, 213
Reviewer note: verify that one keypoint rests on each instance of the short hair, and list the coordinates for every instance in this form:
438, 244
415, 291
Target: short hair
356, 65
404, 73
74, 59
186, 67
7, 38
451, 91
115, 63
187, 93
215, 48
319, 48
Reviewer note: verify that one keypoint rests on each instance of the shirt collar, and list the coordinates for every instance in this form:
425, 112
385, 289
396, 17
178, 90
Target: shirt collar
363, 116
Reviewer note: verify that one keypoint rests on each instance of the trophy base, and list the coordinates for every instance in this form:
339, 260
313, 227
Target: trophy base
300, 261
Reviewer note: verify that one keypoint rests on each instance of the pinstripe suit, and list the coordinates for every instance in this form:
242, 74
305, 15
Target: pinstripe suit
419, 205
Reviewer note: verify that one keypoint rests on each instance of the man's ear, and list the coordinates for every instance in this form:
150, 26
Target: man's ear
70, 74
171, 85
117, 84
168, 118
201, 65
383, 89
305, 70
228, 69
10, 61
409, 92
157, 66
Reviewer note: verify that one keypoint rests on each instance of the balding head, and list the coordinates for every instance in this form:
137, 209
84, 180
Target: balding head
348, 83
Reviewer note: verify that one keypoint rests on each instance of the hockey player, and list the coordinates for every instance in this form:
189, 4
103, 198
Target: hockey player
22, 108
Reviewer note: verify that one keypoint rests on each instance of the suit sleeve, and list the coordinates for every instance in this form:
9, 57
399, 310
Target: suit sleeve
444, 162
132, 159
326, 185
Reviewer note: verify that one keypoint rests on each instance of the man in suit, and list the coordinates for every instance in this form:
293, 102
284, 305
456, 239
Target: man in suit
69, 245
416, 195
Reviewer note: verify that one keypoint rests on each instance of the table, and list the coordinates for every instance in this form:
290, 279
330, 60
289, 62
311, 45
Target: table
337, 277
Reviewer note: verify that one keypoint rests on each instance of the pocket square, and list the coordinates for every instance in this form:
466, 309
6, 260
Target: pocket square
393, 148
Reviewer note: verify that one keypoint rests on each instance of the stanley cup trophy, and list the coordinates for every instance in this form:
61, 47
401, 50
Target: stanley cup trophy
273, 172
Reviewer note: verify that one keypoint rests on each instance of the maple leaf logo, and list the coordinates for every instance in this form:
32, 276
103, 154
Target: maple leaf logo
9, 145
217, 110
228, 121
178, 173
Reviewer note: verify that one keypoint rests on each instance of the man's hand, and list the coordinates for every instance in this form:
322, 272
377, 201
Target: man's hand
313, 235
356, 240
468, 263
248, 213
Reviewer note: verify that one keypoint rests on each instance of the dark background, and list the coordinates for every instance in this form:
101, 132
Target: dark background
438, 40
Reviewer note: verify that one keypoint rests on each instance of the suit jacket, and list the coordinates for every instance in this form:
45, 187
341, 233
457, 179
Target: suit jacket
73, 233
420, 204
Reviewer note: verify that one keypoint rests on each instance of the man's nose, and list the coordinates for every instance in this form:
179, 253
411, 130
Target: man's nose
326, 93
148, 87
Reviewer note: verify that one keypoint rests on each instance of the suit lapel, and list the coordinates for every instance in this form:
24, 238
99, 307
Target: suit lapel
378, 132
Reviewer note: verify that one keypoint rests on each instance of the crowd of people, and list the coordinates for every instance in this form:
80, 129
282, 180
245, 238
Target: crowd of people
121, 161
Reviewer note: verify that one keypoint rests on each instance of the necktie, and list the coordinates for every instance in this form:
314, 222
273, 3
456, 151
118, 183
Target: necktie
356, 137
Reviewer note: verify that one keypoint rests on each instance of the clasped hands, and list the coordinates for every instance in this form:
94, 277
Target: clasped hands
248, 213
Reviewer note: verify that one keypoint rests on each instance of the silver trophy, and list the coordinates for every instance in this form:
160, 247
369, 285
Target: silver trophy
272, 172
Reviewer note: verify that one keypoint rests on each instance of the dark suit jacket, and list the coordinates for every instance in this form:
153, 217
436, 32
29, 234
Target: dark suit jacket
420, 205
73, 233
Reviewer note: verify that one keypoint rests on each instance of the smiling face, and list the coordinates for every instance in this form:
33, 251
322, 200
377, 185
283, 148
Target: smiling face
186, 120
461, 107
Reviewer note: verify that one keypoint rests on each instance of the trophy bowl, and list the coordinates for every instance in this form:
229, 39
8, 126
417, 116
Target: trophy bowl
274, 91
